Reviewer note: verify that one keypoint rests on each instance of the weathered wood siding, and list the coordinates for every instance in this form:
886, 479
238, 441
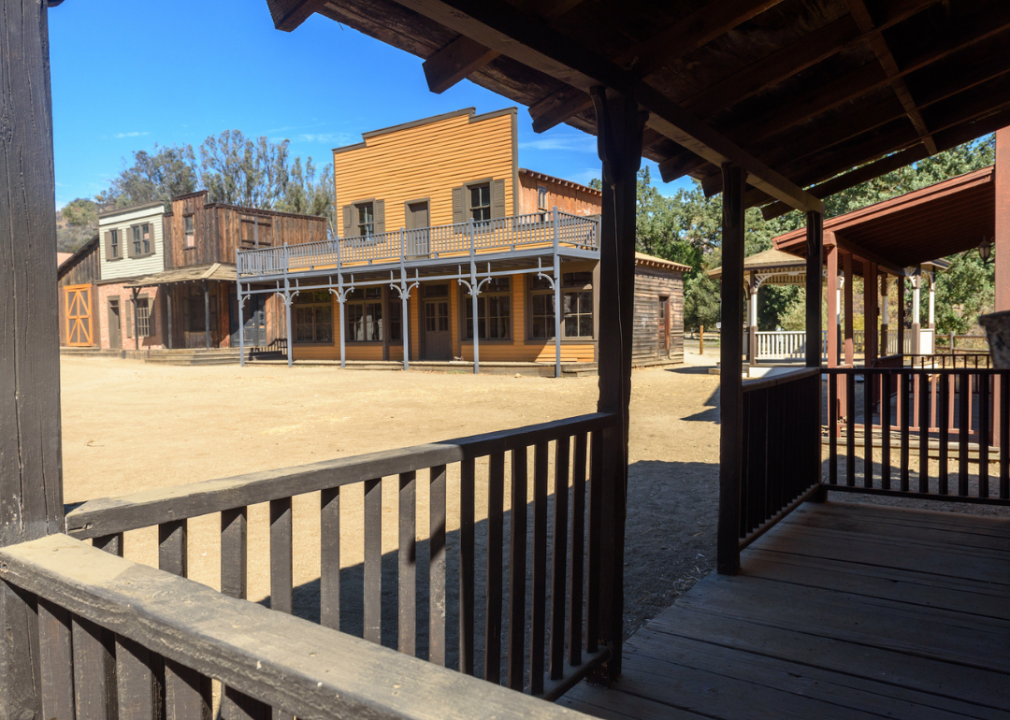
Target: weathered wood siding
426, 160
222, 229
568, 197
650, 285
81, 270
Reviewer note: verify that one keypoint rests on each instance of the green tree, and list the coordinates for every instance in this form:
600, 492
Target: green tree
307, 195
76, 223
153, 177
964, 291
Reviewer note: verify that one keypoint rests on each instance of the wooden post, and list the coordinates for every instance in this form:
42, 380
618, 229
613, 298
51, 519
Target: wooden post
206, 314
168, 323
620, 148
731, 373
885, 341
31, 491
1001, 248
850, 348
869, 313
136, 322
815, 249
834, 329
900, 312
916, 325
752, 321
701, 339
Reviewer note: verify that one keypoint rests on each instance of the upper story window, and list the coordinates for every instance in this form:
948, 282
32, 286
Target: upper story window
480, 202
366, 219
114, 248
542, 197
141, 240
190, 231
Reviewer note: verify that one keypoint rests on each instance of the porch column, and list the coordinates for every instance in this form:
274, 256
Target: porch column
870, 353
815, 249
885, 341
619, 142
405, 316
168, 308
731, 373
752, 320
834, 297
916, 326
136, 322
341, 330
241, 325
474, 303
900, 311
932, 301
558, 308
287, 320
1001, 249
31, 483
850, 348
206, 314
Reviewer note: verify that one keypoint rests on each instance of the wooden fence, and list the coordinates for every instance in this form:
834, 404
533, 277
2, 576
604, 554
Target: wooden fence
563, 642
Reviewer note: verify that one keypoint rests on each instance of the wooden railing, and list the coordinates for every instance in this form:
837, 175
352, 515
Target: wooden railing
541, 229
965, 360
547, 666
956, 418
780, 455
122, 641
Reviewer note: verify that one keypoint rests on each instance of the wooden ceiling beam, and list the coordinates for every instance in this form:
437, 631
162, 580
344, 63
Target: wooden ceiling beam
463, 56
879, 46
289, 14
532, 42
697, 29
891, 267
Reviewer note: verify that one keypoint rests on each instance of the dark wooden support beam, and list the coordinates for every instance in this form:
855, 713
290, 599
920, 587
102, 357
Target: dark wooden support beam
31, 482
879, 46
620, 147
531, 41
289, 14
697, 29
1001, 240
864, 253
815, 266
731, 374
206, 314
454, 62
679, 166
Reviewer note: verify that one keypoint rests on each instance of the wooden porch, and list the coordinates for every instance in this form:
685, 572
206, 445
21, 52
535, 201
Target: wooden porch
841, 611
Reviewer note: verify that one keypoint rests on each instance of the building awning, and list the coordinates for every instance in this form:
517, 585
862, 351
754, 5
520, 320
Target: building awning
217, 272
659, 263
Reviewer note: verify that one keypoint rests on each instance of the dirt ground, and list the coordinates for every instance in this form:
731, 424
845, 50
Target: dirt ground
129, 426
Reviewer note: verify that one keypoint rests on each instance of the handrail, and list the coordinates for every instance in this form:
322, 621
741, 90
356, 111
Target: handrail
283, 661
781, 379
107, 516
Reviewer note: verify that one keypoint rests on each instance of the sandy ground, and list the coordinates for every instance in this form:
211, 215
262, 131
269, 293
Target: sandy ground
129, 426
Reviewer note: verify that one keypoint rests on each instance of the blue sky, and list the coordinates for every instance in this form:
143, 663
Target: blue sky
128, 74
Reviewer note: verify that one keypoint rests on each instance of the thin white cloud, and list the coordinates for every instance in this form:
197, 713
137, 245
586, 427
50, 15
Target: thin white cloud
135, 133
562, 143
329, 138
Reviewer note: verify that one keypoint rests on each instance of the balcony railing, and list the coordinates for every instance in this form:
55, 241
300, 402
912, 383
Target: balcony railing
517, 232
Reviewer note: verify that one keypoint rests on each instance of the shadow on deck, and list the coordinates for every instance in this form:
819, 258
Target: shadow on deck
841, 611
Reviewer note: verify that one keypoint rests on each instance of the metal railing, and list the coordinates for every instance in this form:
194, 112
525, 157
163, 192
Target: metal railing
499, 234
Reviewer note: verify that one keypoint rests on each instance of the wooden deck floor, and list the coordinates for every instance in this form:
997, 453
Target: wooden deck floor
841, 611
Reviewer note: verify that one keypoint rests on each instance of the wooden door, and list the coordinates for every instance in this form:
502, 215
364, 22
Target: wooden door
417, 220
437, 335
253, 319
664, 327
79, 323
115, 325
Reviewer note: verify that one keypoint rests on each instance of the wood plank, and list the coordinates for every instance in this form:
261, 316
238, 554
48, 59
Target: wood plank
577, 556
239, 706
173, 547
495, 539
559, 558
94, 671
372, 600
538, 628
56, 661
436, 566
234, 552
187, 692
467, 499
517, 572
279, 659
329, 558
138, 691
281, 563
612, 704
407, 565
951, 521
454, 62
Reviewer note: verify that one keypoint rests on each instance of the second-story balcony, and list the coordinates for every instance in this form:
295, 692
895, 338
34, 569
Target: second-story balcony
516, 236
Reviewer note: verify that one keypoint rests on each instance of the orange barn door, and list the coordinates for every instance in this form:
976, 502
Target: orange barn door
79, 323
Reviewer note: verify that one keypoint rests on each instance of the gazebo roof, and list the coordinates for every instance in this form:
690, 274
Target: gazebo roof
915, 228
776, 267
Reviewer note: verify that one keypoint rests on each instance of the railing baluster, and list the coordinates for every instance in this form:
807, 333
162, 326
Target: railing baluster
56, 661
832, 406
538, 631
372, 620
964, 425
984, 408
576, 556
594, 560
137, 689
1004, 435
281, 577
436, 568
407, 565
868, 383
94, 671
906, 411
850, 429
559, 557
234, 552
885, 430
466, 564
517, 572
925, 401
238, 706
942, 423
329, 558
495, 520
112, 544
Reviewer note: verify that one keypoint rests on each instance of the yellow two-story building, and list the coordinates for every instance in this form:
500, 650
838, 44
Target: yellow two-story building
440, 225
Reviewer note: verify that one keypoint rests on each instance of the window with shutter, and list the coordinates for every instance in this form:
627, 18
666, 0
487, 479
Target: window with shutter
458, 209
146, 239
498, 198
349, 226
480, 202
189, 229
365, 219
379, 208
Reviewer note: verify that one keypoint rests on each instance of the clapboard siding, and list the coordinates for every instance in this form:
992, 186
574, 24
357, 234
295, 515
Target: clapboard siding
82, 268
567, 196
123, 220
650, 285
426, 160
222, 229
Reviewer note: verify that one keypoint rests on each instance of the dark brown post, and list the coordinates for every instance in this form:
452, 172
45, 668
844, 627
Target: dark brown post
31, 492
206, 314
731, 373
1001, 247
900, 313
849, 334
815, 249
620, 147
869, 313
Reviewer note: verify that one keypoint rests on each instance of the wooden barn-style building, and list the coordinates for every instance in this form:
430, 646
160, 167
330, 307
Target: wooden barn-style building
446, 241
77, 279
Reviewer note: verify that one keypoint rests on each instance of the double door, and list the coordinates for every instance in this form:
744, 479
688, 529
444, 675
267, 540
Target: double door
254, 320
437, 333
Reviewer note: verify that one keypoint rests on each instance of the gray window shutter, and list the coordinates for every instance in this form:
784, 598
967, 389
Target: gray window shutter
129, 244
379, 221
458, 204
150, 319
350, 229
497, 198
107, 239
129, 316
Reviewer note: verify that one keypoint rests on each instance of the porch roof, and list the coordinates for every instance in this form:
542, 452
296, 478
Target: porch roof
644, 260
799, 93
913, 229
217, 272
